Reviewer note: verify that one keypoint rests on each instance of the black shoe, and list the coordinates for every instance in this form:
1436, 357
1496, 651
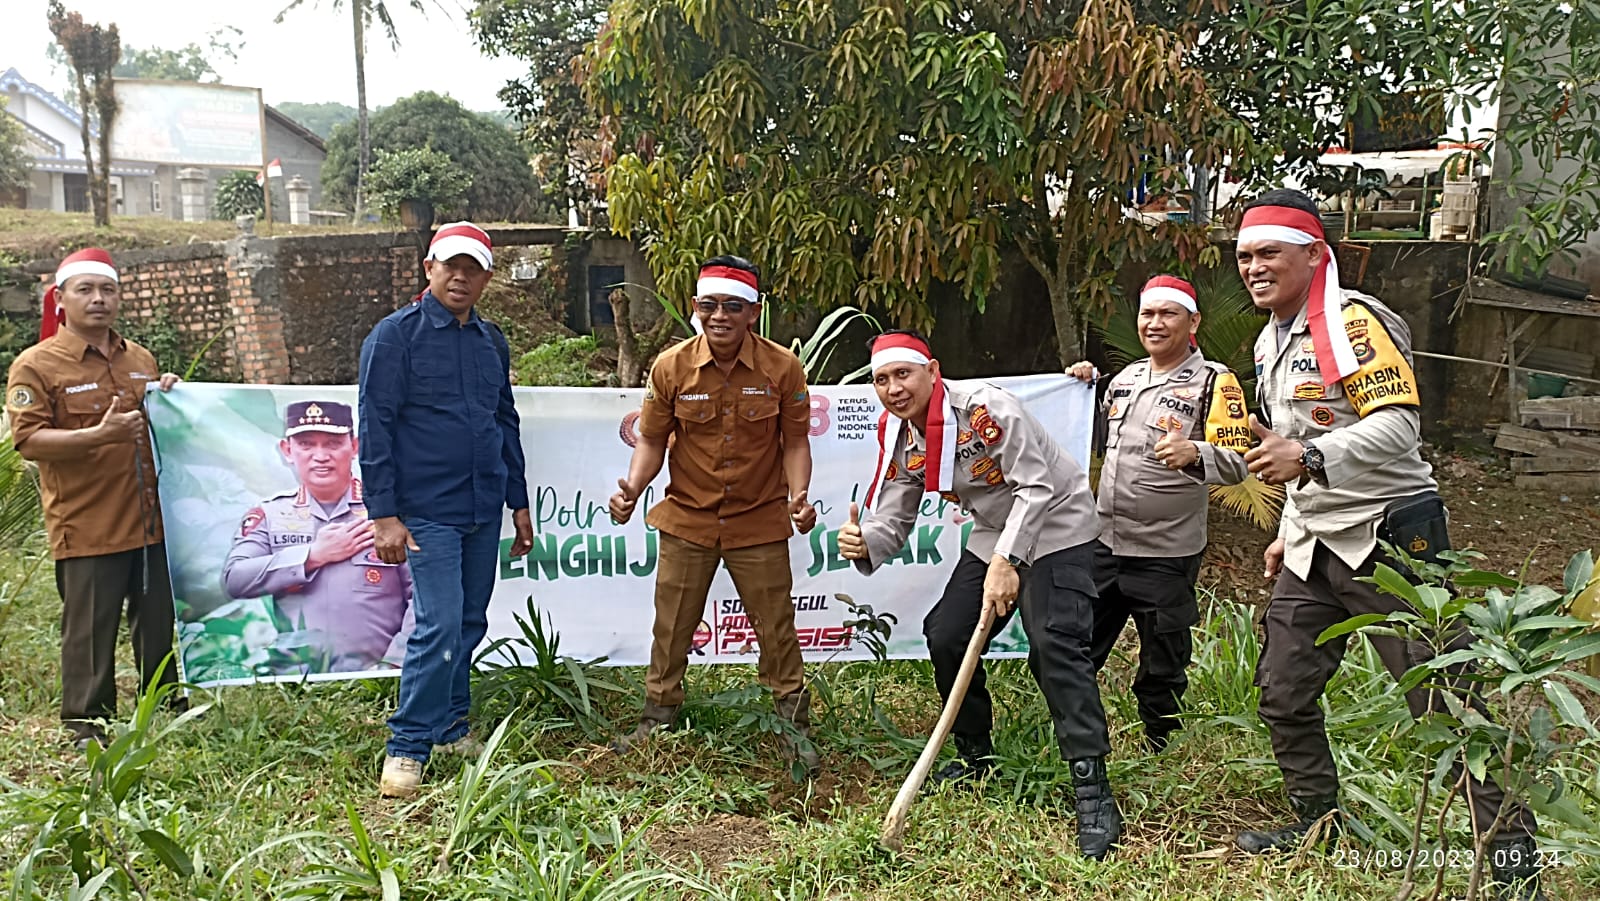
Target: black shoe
1321, 814
962, 773
1514, 865
1099, 819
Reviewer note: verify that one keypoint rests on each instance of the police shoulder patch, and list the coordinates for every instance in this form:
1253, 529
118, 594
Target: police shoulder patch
20, 397
251, 520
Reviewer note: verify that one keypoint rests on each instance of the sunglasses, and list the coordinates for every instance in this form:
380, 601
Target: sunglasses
731, 307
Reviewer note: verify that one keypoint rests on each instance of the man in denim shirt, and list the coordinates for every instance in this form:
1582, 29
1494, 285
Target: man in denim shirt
440, 456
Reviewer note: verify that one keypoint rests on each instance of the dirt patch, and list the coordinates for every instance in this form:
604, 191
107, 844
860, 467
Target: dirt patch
715, 842
1520, 531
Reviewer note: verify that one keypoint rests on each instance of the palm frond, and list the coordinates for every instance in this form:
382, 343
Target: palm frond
20, 516
1252, 499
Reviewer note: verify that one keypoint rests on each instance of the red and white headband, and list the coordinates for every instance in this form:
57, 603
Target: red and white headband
1168, 289
1280, 223
727, 280
459, 238
89, 261
899, 348
1336, 358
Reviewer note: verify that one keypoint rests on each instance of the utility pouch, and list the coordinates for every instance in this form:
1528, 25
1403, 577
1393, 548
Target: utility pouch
1418, 525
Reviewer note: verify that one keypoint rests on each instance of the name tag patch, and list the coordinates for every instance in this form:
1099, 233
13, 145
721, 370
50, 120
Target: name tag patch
79, 389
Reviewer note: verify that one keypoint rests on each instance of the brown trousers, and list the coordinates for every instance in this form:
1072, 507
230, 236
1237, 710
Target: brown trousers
683, 579
1294, 670
93, 591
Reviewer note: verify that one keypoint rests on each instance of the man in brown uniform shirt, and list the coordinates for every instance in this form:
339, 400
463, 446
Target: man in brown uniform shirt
74, 401
738, 410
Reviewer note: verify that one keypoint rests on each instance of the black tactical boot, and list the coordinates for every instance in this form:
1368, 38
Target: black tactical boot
974, 761
1315, 813
654, 717
1155, 741
1099, 819
796, 708
1514, 865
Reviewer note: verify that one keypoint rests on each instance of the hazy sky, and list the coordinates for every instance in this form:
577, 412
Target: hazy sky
310, 58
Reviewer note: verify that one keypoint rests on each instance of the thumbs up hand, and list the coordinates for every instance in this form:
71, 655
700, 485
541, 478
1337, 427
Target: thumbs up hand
802, 513
1175, 450
622, 503
118, 426
1276, 459
852, 546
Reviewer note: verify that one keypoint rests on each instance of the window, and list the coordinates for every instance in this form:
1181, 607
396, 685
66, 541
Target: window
75, 187
155, 194
602, 280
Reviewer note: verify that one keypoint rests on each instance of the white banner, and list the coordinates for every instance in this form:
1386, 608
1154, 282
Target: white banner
222, 471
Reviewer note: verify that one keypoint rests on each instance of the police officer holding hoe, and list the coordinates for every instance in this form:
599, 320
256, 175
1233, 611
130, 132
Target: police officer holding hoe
1033, 519
1341, 428
1174, 423
311, 549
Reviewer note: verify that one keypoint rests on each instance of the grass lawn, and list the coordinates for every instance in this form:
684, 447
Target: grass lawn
271, 792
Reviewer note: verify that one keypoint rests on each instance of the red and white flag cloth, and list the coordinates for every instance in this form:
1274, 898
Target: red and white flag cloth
942, 426
274, 170
1335, 357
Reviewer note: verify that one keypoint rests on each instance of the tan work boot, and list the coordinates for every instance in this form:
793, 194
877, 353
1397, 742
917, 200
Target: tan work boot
402, 778
655, 716
796, 708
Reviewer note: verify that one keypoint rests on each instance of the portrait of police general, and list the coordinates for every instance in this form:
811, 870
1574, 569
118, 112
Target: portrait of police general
335, 606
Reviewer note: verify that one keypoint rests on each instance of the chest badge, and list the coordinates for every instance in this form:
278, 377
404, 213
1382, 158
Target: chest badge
1322, 416
374, 576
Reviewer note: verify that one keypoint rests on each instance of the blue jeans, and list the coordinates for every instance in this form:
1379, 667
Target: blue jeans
452, 577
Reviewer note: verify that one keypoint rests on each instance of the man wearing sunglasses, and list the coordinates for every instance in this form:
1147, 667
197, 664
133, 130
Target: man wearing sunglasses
738, 413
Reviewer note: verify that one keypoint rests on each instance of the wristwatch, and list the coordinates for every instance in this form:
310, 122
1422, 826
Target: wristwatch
1311, 459
1015, 561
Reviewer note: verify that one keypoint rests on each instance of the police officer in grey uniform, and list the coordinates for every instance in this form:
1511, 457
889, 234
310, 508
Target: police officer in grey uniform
311, 549
1175, 422
1033, 519
1335, 381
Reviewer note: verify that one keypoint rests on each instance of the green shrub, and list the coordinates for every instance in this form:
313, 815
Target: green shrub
564, 361
238, 195
417, 173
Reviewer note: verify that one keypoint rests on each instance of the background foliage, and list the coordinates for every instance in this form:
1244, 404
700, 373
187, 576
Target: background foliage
502, 188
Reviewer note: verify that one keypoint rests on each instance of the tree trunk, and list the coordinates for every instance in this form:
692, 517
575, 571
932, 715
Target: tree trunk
358, 9
1069, 323
635, 350
106, 105
83, 131
629, 367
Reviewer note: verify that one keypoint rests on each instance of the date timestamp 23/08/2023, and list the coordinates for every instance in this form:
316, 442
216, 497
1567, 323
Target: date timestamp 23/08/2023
1440, 858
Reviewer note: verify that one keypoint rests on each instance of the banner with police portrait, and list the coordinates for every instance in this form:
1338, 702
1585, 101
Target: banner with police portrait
275, 579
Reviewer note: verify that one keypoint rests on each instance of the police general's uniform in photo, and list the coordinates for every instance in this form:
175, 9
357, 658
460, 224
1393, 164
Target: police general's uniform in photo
353, 614
1153, 519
